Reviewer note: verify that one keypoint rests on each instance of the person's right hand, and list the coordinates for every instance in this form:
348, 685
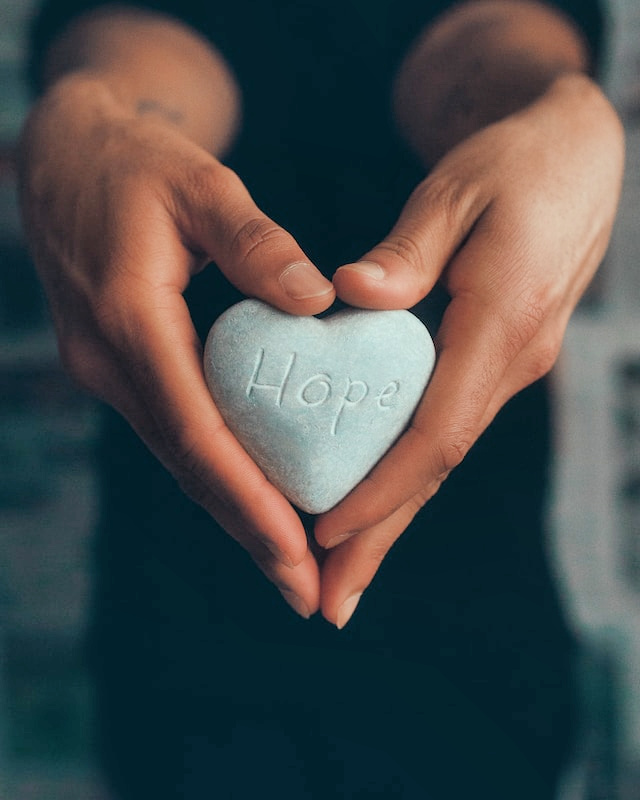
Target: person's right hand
121, 211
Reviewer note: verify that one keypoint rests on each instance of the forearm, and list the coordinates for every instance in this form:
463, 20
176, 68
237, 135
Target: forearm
479, 63
147, 64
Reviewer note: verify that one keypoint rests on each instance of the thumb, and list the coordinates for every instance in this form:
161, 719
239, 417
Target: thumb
258, 257
403, 268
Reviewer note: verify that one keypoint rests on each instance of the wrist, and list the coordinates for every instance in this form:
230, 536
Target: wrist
151, 65
72, 108
581, 103
478, 63
84, 92
91, 96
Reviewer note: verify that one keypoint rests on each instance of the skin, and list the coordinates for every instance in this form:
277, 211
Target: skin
125, 199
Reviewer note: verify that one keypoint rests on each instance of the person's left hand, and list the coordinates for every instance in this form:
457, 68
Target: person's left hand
514, 222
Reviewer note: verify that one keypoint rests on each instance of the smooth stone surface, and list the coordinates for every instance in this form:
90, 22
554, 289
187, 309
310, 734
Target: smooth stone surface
317, 402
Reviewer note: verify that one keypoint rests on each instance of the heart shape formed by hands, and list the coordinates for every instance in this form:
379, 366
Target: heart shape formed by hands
317, 402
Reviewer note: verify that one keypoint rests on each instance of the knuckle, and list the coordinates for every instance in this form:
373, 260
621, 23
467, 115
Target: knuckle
257, 233
532, 312
377, 552
200, 190
404, 247
522, 320
454, 196
207, 176
452, 451
421, 498
452, 204
451, 446
545, 356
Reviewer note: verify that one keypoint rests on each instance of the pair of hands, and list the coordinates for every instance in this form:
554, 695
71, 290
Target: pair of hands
121, 212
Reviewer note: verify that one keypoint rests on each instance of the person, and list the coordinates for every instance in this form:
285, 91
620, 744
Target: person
456, 159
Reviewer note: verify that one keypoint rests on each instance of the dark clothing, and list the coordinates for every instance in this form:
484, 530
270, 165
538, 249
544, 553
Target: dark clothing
452, 680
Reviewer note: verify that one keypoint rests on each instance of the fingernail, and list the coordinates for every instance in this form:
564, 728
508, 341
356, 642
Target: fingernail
346, 610
368, 268
341, 537
301, 281
296, 603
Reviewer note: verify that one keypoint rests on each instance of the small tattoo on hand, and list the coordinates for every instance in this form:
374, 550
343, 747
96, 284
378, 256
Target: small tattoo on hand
146, 106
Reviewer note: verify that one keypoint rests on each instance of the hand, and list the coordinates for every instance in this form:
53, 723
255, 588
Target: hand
121, 211
514, 222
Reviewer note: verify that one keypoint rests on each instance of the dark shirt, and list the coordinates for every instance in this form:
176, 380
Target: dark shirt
459, 644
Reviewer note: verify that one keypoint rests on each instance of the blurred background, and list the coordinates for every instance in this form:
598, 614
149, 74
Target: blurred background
48, 499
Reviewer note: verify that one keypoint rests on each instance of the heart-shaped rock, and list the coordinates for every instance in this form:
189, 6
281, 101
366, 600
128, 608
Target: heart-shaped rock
317, 402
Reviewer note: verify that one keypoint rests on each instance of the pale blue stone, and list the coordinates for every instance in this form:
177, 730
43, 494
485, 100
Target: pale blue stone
317, 402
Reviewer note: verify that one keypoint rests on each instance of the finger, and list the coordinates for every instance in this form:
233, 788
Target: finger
205, 453
349, 568
219, 217
299, 585
491, 319
139, 317
403, 268
472, 359
154, 340
99, 370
